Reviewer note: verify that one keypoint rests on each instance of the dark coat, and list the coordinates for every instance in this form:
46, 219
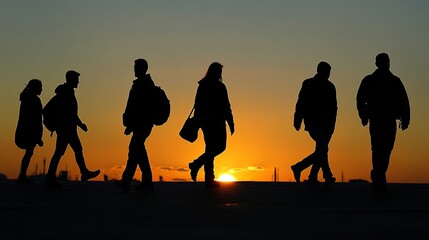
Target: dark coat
317, 104
212, 103
138, 111
382, 95
69, 118
29, 129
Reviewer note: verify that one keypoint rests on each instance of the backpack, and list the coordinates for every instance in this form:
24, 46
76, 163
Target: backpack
51, 114
161, 106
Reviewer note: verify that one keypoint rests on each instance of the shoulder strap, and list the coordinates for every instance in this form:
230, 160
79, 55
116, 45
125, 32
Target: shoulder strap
193, 108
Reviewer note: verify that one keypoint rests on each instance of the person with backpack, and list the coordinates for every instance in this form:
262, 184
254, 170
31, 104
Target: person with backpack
317, 107
65, 108
381, 100
29, 129
212, 109
146, 106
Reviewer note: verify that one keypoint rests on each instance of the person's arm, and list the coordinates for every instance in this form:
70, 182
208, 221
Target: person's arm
404, 107
299, 108
362, 100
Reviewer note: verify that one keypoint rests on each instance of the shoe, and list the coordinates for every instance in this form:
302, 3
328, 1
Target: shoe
212, 184
144, 187
313, 182
122, 185
52, 183
296, 173
330, 180
194, 171
88, 175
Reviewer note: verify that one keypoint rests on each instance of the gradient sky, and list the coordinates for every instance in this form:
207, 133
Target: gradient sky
267, 48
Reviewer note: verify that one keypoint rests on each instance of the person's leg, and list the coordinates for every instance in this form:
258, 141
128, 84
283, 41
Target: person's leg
60, 149
26, 161
301, 166
320, 155
133, 154
77, 148
215, 139
143, 160
76, 145
383, 133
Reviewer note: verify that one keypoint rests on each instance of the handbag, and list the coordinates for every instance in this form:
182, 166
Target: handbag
190, 128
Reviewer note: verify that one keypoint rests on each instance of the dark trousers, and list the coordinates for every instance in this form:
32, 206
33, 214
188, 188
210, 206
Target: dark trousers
319, 158
65, 138
137, 156
26, 161
383, 133
215, 140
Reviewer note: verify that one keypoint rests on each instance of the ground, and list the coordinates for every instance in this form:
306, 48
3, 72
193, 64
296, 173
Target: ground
239, 210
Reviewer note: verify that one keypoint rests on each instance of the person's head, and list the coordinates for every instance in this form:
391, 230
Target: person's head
34, 86
382, 61
140, 67
72, 78
324, 70
214, 71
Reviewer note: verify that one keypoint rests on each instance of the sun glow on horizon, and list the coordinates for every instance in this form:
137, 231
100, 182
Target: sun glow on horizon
226, 177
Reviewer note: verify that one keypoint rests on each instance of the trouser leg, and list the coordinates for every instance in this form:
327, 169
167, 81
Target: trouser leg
76, 145
215, 139
137, 156
60, 149
26, 161
320, 155
383, 133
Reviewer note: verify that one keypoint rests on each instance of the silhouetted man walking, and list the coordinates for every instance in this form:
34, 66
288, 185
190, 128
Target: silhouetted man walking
67, 130
138, 119
381, 100
317, 106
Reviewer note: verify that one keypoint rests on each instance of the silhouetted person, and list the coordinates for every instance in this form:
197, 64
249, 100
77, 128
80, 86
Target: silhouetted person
137, 120
212, 109
381, 100
67, 131
29, 129
317, 106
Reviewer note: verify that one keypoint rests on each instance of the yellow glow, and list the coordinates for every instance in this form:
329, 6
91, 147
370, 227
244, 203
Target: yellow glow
226, 178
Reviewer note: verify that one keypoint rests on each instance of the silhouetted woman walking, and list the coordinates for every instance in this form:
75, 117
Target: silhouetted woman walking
212, 108
29, 130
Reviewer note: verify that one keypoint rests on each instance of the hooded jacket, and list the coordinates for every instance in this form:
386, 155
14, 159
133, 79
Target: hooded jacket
29, 129
69, 118
139, 108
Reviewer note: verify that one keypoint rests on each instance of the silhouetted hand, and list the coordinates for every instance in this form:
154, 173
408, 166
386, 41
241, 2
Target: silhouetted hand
232, 128
128, 131
40, 143
297, 127
403, 125
297, 123
83, 127
364, 121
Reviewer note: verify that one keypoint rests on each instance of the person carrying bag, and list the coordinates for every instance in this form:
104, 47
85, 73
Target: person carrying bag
190, 128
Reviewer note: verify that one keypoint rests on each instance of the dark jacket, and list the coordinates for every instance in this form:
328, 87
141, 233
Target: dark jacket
212, 103
382, 95
69, 118
138, 112
29, 129
317, 104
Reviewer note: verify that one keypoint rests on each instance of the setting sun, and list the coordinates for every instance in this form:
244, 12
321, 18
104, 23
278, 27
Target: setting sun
226, 178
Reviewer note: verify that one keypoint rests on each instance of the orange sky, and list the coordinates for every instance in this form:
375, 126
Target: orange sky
267, 49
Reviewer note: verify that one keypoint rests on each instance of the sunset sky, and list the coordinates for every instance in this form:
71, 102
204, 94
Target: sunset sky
267, 48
